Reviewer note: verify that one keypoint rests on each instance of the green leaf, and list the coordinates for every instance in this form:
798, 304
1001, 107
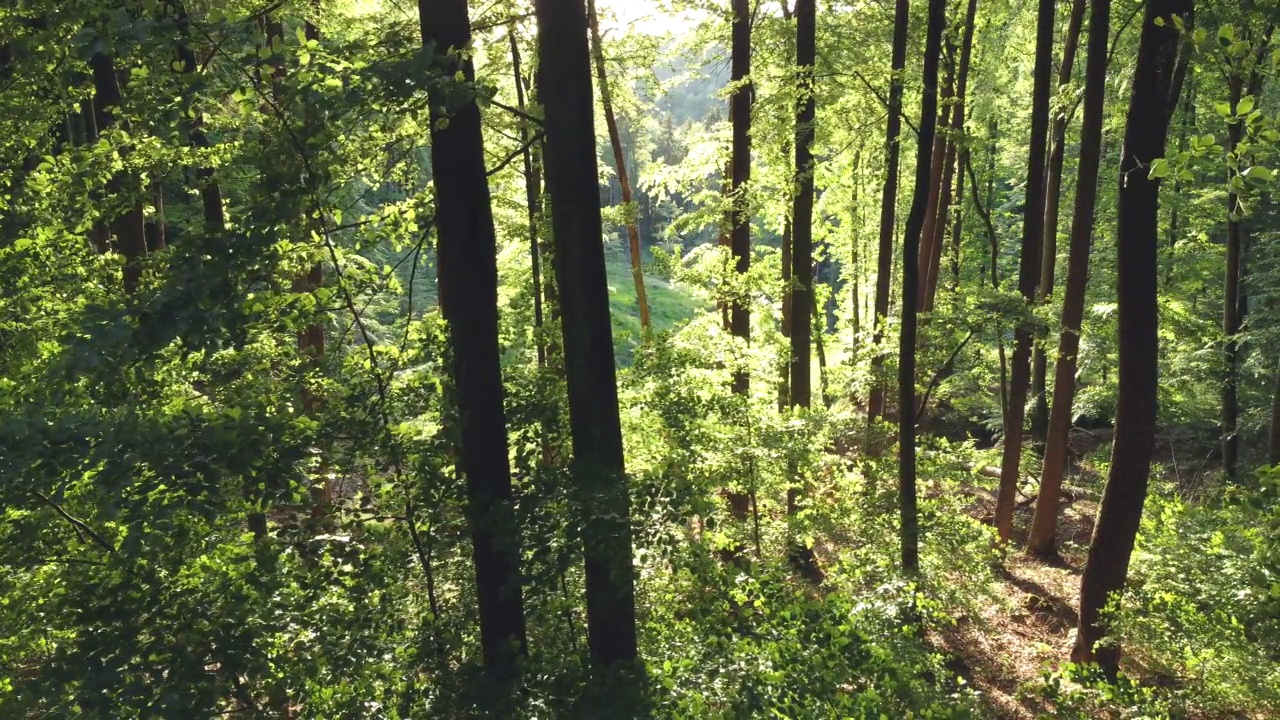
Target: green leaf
1258, 173
1159, 168
1245, 105
1226, 34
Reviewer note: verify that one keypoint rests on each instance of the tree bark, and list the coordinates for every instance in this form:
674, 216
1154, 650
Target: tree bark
620, 162
1052, 204
468, 271
564, 83
1028, 271
533, 199
929, 234
888, 208
1044, 527
740, 225
909, 531
802, 303
1273, 449
1156, 79
1231, 319
129, 228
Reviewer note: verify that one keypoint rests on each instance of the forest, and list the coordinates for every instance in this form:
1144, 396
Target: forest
639, 359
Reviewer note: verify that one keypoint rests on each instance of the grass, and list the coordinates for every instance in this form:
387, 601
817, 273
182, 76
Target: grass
669, 305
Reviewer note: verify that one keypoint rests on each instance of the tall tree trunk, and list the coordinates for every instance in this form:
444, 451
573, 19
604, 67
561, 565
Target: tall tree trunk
564, 84
888, 207
929, 235
468, 264
1028, 270
1052, 203
533, 199
1273, 449
855, 251
311, 337
802, 303
215, 221
1156, 79
740, 226
958, 137
129, 228
620, 162
909, 531
1231, 319
1044, 527
802, 285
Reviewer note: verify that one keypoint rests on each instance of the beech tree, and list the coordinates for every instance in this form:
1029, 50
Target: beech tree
1043, 538
469, 301
1028, 272
1156, 79
564, 84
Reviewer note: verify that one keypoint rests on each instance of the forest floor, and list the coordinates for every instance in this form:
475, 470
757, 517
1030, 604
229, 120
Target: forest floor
1005, 649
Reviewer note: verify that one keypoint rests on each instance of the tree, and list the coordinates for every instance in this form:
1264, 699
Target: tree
1043, 538
888, 205
740, 217
620, 163
1028, 270
532, 198
564, 82
1235, 304
929, 234
1052, 203
802, 280
909, 530
469, 300
128, 227
1157, 77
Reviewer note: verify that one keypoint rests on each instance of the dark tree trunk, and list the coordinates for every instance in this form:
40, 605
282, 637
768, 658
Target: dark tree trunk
533, 199
940, 191
1052, 203
1028, 270
1231, 319
1273, 449
928, 234
909, 531
468, 272
888, 207
564, 84
802, 303
311, 337
620, 162
1044, 527
129, 228
740, 224
215, 222
803, 307
1156, 80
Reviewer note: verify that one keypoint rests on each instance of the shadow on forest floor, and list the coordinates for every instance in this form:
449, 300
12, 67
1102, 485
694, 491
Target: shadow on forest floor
1032, 625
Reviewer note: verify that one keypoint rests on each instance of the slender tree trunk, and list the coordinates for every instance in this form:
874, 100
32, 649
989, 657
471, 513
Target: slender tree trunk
1231, 319
929, 235
1032, 237
1044, 527
620, 162
888, 207
740, 115
855, 264
129, 228
467, 252
311, 337
1156, 80
564, 84
1273, 449
215, 221
1052, 204
788, 300
533, 199
802, 303
957, 224
909, 531
803, 307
